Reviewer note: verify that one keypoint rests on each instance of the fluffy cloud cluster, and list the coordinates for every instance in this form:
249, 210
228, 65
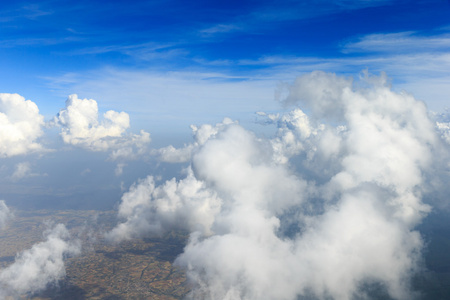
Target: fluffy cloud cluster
39, 266
191, 203
444, 128
200, 134
149, 209
20, 125
322, 210
81, 126
5, 214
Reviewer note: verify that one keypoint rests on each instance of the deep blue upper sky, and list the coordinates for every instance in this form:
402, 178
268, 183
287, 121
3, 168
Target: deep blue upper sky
158, 59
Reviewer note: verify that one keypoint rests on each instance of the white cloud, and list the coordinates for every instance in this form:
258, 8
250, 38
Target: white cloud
39, 266
119, 169
5, 214
387, 139
147, 209
23, 170
191, 203
220, 28
173, 155
175, 100
274, 13
293, 129
80, 126
398, 42
444, 129
20, 125
164, 100
261, 231
321, 93
201, 134
85, 172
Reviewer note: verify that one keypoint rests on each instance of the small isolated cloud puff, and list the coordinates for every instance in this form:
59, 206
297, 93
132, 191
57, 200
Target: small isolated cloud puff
39, 266
20, 125
23, 170
5, 214
80, 126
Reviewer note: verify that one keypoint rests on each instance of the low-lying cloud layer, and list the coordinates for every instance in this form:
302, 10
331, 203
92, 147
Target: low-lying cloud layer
326, 208
34, 269
5, 214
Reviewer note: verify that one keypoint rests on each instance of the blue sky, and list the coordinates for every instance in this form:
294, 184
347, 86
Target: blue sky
159, 59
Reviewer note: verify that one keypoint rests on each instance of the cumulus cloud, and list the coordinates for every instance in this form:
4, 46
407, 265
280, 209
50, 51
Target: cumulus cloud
388, 136
5, 214
39, 266
149, 209
325, 209
444, 128
20, 125
80, 126
174, 155
200, 134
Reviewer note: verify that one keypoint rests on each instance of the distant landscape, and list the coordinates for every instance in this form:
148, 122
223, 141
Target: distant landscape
143, 268
138, 269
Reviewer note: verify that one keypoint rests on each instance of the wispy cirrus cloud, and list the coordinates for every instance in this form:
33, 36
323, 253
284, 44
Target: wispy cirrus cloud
133, 49
399, 42
247, 84
269, 13
30, 11
38, 41
23, 170
220, 28
171, 97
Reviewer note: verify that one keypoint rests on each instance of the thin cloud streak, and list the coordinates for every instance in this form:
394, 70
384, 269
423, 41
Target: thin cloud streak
270, 13
400, 42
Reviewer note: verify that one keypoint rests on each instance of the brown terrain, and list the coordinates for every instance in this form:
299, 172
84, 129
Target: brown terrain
136, 269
